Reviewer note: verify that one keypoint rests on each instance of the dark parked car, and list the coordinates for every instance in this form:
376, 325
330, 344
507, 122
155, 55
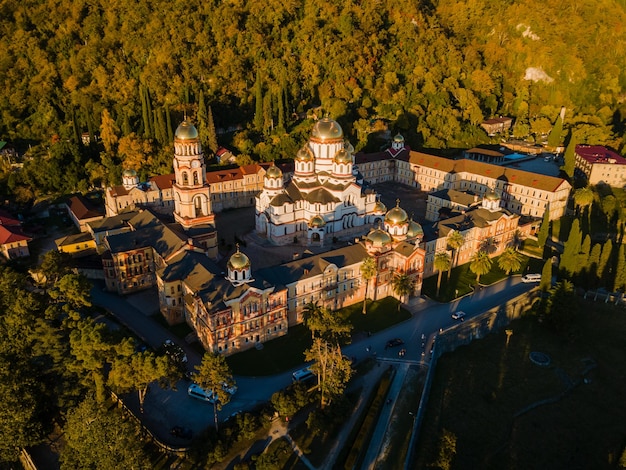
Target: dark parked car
394, 342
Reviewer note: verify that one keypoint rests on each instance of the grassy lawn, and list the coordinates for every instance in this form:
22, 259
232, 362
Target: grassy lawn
478, 389
462, 279
287, 352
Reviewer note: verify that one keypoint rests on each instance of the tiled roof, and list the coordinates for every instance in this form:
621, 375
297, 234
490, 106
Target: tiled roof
163, 181
599, 154
478, 217
459, 197
75, 238
83, 209
511, 175
114, 222
12, 234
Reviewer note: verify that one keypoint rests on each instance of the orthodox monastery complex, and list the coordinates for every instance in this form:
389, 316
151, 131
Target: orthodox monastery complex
324, 199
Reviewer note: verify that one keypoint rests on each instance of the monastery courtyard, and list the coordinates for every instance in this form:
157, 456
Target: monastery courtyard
239, 224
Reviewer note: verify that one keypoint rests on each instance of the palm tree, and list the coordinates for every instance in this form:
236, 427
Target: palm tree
517, 240
583, 197
455, 241
480, 264
510, 260
489, 245
368, 271
402, 285
441, 263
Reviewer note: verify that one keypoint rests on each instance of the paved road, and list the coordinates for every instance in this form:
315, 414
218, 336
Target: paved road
167, 408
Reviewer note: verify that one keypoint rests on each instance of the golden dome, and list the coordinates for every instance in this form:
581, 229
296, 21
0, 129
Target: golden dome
415, 230
304, 155
326, 128
238, 261
378, 238
186, 131
398, 139
397, 215
317, 221
380, 208
129, 173
273, 172
491, 196
343, 157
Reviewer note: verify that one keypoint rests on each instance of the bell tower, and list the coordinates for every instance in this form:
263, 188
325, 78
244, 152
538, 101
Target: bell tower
192, 197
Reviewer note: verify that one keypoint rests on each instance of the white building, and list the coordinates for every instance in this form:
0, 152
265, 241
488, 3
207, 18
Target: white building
323, 199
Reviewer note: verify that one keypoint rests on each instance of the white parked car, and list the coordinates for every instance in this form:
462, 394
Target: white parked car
531, 278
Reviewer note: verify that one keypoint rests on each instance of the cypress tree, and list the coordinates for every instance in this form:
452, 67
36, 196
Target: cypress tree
145, 116
569, 163
258, 101
544, 228
211, 132
554, 138
149, 108
593, 263
572, 248
168, 124
546, 276
201, 118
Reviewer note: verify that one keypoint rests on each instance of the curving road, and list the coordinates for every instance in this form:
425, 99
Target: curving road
164, 409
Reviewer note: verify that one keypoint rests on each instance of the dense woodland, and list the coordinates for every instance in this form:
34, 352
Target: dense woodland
130, 71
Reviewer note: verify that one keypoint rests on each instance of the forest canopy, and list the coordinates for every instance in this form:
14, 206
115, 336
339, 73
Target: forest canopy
434, 70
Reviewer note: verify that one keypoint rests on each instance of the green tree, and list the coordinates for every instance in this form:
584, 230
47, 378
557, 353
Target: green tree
546, 276
517, 240
369, 269
402, 285
54, 265
510, 260
569, 158
140, 370
604, 264
211, 132
101, 438
332, 368
554, 138
258, 103
480, 264
441, 264
620, 270
571, 249
109, 132
583, 198
563, 307
455, 241
446, 450
214, 374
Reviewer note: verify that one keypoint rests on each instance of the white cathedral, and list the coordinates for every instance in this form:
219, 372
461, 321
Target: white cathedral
323, 199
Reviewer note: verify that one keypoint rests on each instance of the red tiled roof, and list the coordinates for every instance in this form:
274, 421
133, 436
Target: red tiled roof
599, 154
82, 209
12, 234
163, 181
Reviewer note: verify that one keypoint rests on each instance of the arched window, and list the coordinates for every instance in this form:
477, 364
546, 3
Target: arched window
185, 178
195, 177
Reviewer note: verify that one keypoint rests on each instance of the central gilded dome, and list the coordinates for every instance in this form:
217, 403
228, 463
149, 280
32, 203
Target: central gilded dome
238, 261
491, 196
397, 215
186, 131
326, 128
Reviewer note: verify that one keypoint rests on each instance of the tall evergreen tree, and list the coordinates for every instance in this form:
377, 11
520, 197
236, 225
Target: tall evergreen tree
544, 228
202, 119
168, 124
569, 163
546, 276
572, 248
593, 262
554, 138
604, 265
211, 132
258, 103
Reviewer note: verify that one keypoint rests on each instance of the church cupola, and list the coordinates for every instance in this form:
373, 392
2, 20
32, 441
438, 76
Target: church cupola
342, 164
130, 179
273, 181
491, 201
397, 222
239, 268
398, 143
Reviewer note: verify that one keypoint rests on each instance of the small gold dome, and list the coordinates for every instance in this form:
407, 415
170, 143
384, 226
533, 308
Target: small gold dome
129, 173
397, 215
491, 196
415, 230
398, 139
238, 261
326, 128
273, 172
304, 155
186, 131
378, 238
343, 157
317, 221
380, 208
